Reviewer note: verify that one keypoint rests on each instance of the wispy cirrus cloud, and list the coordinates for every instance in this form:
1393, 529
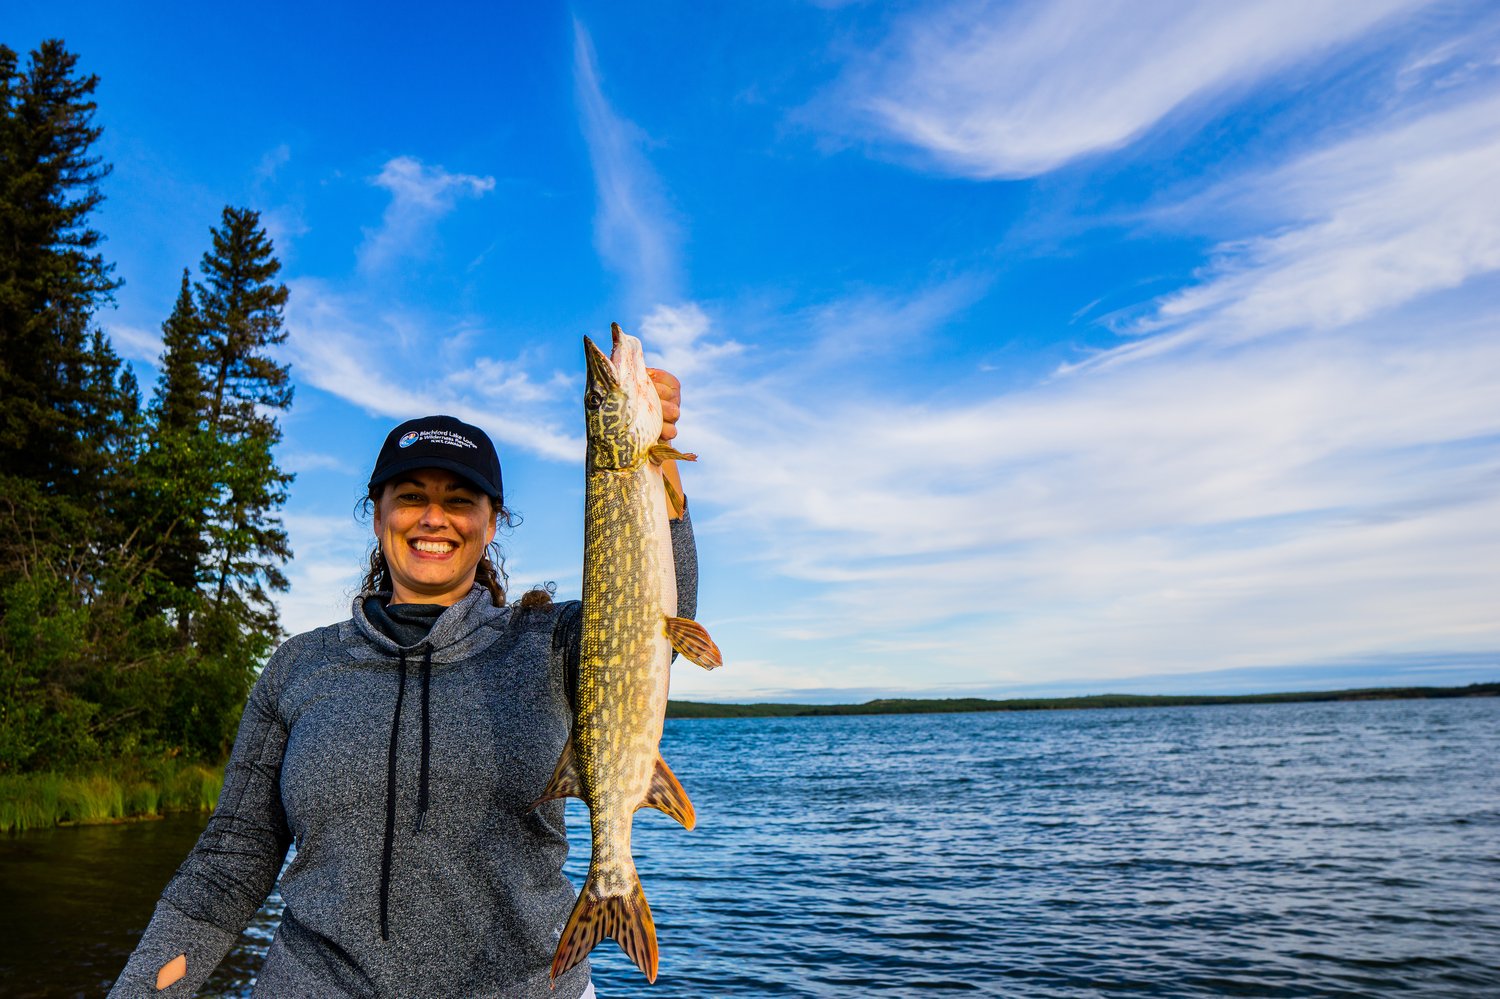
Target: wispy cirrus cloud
134, 343
330, 344
420, 195
993, 90
1364, 226
633, 230
1300, 463
1292, 500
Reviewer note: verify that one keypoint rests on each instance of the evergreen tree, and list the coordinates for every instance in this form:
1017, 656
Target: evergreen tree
240, 308
52, 276
109, 431
137, 550
181, 391
180, 468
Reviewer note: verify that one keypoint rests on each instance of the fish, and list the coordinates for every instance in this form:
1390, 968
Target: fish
630, 627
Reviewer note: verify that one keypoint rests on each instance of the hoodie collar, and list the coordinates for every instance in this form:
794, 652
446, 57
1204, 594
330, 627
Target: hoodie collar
455, 635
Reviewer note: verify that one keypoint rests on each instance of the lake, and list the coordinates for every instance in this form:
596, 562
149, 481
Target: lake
1335, 849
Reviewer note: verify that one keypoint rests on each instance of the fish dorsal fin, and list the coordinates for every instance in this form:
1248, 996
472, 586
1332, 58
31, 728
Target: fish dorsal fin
666, 793
691, 639
564, 782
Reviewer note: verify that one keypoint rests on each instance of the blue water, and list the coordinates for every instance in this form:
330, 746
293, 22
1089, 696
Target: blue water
1345, 849
1270, 850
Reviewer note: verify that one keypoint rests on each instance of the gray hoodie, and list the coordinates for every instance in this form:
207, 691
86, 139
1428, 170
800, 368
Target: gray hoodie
420, 868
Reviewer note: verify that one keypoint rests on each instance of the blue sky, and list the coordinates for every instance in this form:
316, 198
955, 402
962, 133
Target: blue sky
1028, 348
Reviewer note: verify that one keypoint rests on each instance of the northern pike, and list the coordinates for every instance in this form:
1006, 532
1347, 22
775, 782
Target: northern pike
630, 626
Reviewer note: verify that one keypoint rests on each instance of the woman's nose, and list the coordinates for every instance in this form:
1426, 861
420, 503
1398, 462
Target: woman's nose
434, 515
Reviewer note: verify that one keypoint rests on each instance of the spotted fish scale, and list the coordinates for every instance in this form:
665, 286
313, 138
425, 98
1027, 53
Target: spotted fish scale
630, 626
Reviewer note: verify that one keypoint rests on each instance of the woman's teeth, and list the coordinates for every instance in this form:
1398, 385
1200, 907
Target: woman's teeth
434, 547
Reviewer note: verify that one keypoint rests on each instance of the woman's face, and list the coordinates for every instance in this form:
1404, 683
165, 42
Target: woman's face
433, 527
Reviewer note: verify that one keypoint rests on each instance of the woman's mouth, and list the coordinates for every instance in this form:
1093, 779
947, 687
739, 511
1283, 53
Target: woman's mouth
434, 547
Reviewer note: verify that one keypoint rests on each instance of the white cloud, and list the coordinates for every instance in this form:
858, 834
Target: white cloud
284, 224
134, 343
309, 461
672, 335
1376, 221
331, 555
420, 195
631, 229
1289, 500
272, 162
989, 91
402, 365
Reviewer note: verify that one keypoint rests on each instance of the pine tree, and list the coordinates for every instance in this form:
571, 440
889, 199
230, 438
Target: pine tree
52, 276
240, 308
180, 466
109, 424
181, 391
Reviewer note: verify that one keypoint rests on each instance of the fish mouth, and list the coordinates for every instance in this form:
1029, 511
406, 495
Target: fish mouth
601, 370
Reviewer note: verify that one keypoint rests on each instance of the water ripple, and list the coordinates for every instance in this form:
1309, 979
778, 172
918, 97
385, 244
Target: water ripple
1300, 850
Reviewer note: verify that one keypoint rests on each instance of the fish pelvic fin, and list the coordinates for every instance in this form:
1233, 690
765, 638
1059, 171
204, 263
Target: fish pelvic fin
666, 793
691, 639
675, 501
565, 782
626, 918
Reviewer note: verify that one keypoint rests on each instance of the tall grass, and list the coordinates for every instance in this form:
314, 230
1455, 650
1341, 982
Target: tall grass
123, 791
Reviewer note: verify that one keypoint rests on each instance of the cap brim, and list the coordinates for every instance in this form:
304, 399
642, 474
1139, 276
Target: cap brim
414, 463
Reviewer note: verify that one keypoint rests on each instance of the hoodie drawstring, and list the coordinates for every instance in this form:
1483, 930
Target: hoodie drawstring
426, 741
390, 779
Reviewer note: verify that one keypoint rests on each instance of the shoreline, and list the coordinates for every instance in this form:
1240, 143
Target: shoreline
107, 794
964, 705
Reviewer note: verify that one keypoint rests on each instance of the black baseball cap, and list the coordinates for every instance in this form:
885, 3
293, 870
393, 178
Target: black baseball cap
441, 442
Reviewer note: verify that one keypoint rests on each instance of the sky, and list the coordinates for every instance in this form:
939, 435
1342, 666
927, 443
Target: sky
1028, 348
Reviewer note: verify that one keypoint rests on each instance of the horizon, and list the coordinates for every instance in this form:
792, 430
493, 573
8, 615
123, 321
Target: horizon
1025, 347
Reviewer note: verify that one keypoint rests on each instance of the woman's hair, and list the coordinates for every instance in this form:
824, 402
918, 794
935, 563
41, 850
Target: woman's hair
490, 573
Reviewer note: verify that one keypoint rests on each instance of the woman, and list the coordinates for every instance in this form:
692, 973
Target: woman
402, 750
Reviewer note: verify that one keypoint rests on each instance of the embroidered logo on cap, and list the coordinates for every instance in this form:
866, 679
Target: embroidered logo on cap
447, 437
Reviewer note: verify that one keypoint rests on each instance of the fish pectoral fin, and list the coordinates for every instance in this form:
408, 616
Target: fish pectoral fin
666, 793
564, 782
662, 451
691, 639
626, 918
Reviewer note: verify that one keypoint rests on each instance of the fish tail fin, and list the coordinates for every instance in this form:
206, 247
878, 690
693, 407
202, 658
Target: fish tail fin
626, 918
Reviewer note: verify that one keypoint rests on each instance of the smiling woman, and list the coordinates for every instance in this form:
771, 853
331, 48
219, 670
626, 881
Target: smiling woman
404, 752
437, 495
433, 528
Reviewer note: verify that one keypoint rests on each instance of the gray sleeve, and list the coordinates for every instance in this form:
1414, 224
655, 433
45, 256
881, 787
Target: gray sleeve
233, 867
685, 554
567, 634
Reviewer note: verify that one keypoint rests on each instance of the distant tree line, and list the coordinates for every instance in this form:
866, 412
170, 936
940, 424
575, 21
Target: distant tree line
139, 541
961, 705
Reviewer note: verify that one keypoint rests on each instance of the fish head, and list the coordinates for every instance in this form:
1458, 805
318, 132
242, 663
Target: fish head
620, 403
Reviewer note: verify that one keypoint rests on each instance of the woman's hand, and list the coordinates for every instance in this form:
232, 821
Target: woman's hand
669, 389
171, 971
